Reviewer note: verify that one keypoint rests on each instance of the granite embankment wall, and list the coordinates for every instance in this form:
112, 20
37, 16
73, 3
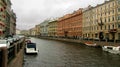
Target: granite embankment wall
98, 43
14, 55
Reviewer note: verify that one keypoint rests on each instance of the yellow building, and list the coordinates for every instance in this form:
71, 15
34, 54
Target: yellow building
52, 28
102, 21
37, 31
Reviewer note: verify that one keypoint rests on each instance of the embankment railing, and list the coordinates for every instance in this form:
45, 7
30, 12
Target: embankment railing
1, 54
11, 53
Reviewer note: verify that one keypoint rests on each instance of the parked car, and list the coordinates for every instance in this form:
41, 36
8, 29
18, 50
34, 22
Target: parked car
16, 38
21, 36
10, 39
4, 43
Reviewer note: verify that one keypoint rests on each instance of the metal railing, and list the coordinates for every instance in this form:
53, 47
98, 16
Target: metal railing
11, 53
1, 53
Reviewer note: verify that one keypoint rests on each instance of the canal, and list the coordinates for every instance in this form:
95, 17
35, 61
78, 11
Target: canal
63, 54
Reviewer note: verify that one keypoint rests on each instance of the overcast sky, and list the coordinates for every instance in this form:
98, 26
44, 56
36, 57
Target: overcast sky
32, 12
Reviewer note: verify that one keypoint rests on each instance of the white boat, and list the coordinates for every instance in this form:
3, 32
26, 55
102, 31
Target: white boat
112, 49
31, 48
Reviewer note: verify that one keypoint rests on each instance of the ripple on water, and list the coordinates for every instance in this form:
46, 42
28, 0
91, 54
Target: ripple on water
63, 54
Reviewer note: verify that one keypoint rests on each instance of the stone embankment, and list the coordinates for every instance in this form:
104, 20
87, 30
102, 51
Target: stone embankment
98, 43
14, 55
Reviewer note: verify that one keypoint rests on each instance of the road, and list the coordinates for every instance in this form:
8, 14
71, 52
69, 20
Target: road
64, 54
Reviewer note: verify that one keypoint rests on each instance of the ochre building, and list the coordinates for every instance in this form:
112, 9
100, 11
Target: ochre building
70, 25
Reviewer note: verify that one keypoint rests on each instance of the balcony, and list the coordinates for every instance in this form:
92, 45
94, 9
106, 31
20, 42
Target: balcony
112, 30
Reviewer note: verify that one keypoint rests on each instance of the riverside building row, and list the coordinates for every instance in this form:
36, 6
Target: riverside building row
102, 21
7, 19
99, 22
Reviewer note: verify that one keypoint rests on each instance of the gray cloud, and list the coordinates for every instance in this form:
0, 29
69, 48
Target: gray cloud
32, 12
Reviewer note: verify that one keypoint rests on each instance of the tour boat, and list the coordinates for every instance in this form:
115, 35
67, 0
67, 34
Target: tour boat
90, 44
112, 49
31, 48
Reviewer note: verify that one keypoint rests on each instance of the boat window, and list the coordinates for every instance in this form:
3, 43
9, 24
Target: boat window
109, 47
31, 46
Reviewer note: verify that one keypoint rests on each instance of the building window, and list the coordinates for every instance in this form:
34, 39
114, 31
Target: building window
105, 13
109, 12
118, 36
118, 1
105, 27
105, 19
118, 17
113, 26
1, 9
109, 6
118, 9
113, 4
113, 11
113, 18
108, 27
101, 27
118, 25
109, 19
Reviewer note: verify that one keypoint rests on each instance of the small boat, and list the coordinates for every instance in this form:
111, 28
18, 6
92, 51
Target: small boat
90, 44
112, 49
31, 48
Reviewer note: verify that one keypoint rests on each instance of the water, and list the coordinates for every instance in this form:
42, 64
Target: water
63, 54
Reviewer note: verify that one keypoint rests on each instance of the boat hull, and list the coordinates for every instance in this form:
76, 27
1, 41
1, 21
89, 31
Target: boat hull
111, 49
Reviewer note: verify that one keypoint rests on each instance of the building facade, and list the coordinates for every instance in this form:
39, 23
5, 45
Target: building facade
3, 5
44, 28
7, 18
12, 23
32, 32
70, 25
18, 32
102, 21
52, 28
37, 27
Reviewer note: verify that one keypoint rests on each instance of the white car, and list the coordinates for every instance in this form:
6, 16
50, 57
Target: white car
10, 39
4, 43
16, 38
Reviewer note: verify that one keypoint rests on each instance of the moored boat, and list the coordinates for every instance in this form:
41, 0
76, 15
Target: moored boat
31, 48
112, 49
90, 44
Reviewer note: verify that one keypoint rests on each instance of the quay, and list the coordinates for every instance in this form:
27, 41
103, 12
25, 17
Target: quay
14, 55
81, 41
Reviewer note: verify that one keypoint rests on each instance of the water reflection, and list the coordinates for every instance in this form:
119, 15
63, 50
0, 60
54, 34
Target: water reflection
63, 54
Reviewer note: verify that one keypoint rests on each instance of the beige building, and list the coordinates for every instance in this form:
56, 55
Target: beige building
24, 32
18, 31
102, 21
52, 28
37, 30
32, 31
